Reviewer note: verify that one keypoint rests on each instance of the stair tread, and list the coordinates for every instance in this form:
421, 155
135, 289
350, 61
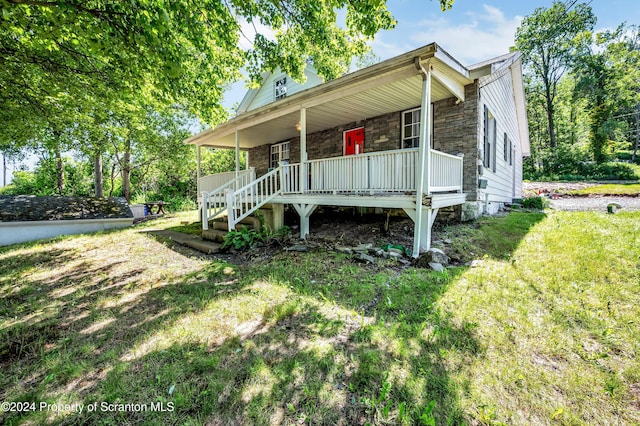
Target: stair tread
192, 241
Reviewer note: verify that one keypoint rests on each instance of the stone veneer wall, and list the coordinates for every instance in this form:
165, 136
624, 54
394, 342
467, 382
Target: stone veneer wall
456, 129
380, 134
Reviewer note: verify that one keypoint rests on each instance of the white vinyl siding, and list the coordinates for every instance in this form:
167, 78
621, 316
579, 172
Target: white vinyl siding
266, 93
500, 168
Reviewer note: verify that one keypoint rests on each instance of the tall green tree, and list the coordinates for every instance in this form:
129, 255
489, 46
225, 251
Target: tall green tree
609, 78
176, 52
550, 39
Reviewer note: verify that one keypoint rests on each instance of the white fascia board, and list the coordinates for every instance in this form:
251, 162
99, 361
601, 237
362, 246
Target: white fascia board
521, 106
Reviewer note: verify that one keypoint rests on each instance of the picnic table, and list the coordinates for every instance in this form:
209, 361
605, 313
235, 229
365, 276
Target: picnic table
158, 205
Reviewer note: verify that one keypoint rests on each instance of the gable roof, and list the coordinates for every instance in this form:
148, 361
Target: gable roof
389, 86
255, 98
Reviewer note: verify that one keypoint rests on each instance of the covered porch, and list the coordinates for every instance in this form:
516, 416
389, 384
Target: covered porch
417, 179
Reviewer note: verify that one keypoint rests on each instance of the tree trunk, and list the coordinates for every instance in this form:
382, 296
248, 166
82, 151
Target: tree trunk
97, 174
112, 177
552, 131
126, 172
4, 170
59, 172
635, 149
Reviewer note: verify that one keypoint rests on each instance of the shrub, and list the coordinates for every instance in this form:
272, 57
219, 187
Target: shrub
539, 203
243, 239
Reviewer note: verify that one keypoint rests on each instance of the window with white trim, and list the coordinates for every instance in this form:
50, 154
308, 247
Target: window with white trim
279, 152
411, 128
490, 140
507, 148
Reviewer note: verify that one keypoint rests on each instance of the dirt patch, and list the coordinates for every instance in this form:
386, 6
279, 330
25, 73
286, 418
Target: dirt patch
341, 232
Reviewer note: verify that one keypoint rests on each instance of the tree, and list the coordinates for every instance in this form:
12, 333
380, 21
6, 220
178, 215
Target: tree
609, 78
176, 52
549, 40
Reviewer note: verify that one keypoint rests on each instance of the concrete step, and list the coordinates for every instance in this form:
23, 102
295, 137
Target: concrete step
216, 235
192, 241
248, 222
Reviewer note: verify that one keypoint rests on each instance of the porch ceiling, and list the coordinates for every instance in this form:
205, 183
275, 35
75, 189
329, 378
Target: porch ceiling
381, 91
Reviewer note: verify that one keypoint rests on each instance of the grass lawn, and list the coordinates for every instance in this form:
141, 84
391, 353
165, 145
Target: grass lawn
543, 330
610, 189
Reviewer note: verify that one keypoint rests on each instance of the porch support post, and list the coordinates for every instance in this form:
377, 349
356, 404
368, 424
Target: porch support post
199, 171
422, 231
304, 211
304, 176
237, 136
427, 220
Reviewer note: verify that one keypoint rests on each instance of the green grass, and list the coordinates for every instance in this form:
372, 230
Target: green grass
542, 330
610, 189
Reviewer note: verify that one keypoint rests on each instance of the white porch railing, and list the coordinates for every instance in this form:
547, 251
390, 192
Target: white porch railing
212, 182
214, 203
446, 172
374, 173
387, 171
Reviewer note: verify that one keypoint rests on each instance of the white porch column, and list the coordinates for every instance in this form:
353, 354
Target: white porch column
237, 135
199, 172
422, 232
304, 176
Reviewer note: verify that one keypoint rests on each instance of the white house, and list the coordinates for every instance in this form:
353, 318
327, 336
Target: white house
359, 140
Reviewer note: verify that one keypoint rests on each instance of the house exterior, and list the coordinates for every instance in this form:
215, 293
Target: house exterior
359, 140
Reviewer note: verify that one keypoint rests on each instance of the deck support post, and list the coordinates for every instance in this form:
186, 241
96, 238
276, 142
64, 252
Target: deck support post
422, 232
204, 211
304, 175
424, 238
304, 211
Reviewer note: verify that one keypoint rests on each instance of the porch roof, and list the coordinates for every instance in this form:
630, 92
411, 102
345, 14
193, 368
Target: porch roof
392, 85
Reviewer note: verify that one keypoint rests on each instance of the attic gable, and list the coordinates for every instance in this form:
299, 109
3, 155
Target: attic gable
276, 86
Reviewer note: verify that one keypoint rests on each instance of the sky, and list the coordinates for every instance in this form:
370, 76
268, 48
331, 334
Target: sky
472, 31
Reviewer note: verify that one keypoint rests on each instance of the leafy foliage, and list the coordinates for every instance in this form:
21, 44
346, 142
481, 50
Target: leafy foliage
246, 238
549, 39
243, 239
582, 92
539, 203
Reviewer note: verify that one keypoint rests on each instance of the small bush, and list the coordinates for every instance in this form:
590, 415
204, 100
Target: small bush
243, 239
539, 203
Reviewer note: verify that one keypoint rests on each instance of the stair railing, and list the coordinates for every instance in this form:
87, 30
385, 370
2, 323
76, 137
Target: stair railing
244, 201
214, 202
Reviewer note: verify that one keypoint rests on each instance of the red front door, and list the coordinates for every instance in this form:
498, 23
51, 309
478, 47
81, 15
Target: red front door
354, 141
